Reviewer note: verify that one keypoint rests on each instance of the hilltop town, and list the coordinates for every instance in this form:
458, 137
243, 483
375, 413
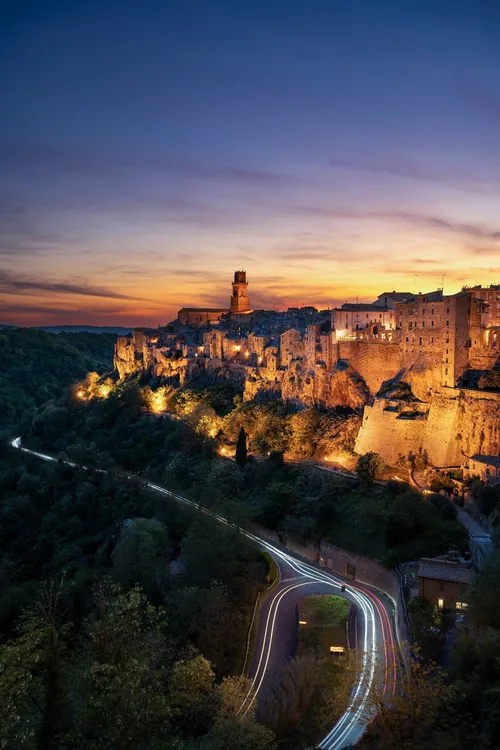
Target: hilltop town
420, 367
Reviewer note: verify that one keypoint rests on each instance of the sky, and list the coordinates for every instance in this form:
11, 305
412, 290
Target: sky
333, 149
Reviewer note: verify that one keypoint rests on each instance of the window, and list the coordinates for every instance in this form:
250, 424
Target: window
420, 340
407, 339
440, 603
432, 311
447, 323
441, 586
432, 324
423, 324
461, 605
446, 371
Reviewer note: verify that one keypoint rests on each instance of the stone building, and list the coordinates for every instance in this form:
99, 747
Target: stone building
491, 297
291, 346
212, 316
434, 336
350, 318
389, 299
487, 468
240, 301
443, 583
200, 316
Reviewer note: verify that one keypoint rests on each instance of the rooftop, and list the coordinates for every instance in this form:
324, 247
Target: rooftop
397, 295
363, 306
444, 570
205, 309
488, 460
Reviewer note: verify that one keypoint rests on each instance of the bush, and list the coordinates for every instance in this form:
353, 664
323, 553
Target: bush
369, 466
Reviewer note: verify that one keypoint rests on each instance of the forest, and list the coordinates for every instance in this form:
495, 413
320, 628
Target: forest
120, 611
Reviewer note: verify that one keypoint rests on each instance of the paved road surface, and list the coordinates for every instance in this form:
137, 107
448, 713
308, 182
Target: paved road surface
275, 643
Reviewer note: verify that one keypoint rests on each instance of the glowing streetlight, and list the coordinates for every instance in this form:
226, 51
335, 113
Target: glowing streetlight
80, 394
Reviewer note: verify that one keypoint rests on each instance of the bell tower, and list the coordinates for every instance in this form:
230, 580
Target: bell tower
240, 301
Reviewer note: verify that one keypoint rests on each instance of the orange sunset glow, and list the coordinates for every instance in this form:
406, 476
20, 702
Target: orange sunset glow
206, 151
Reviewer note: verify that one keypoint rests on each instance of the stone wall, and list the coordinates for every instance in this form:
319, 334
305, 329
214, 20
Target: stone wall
375, 361
458, 422
385, 433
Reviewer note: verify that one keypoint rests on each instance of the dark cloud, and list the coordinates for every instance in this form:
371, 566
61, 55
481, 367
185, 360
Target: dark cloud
47, 160
10, 284
414, 172
471, 231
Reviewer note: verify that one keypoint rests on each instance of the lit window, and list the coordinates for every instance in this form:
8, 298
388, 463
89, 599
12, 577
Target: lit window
461, 605
440, 603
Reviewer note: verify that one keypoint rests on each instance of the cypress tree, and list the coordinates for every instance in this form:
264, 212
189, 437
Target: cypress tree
241, 448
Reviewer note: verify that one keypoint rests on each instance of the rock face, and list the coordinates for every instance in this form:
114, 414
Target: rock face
315, 386
422, 417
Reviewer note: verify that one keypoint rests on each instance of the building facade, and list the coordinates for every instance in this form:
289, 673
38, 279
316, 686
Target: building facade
443, 583
240, 301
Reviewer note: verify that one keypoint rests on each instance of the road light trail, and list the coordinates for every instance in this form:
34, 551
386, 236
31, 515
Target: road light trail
377, 625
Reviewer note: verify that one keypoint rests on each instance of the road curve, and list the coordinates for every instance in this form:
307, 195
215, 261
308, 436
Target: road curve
376, 632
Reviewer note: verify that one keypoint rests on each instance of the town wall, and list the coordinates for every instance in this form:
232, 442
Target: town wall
385, 433
458, 422
375, 361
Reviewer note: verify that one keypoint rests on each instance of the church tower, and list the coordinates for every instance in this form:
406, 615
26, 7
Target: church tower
240, 301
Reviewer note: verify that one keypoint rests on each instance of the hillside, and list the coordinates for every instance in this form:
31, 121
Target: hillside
37, 366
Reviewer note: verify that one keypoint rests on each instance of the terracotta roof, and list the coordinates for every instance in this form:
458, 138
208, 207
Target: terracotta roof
444, 570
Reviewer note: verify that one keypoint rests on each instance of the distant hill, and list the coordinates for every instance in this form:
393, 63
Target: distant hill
120, 331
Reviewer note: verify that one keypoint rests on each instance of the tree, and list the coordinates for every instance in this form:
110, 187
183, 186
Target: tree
490, 381
308, 696
118, 682
31, 666
369, 466
192, 694
484, 594
232, 734
426, 713
241, 448
140, 556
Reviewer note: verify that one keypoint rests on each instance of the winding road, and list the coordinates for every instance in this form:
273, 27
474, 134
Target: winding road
376, 633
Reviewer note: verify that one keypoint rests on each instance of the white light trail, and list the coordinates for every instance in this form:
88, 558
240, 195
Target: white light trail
350, 722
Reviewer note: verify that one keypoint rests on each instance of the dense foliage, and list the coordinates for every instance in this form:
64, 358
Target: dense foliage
146, 611
37, 366
120, 611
